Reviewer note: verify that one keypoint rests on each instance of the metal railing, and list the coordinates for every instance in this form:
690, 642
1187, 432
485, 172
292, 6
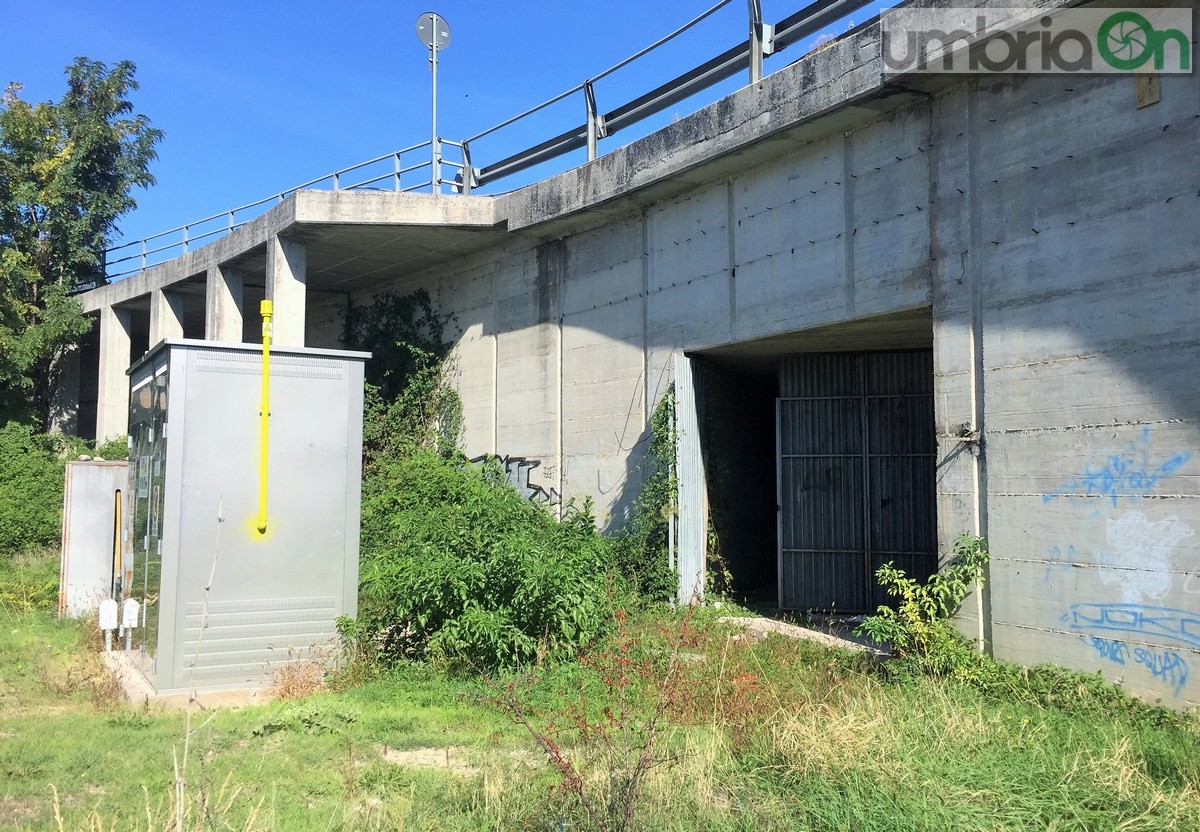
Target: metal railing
764, 40
178, 240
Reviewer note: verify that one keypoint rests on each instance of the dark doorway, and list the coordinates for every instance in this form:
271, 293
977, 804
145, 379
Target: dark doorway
737, 430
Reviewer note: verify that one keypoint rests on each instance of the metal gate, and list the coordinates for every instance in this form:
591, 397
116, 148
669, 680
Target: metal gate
855, 475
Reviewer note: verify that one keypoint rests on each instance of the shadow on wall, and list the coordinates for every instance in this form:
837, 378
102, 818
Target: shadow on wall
1087, 307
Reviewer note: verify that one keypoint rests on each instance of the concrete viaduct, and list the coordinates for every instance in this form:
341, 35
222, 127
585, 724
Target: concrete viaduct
894, 310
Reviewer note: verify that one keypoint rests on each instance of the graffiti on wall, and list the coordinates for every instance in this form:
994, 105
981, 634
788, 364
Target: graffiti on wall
1114, 651
1140, 556
1062, 559
1160, 623
1129, 473
518, 471
1165, 665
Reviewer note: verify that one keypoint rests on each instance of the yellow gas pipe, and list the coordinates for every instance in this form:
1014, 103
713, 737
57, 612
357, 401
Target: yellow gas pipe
266, 310
117, 589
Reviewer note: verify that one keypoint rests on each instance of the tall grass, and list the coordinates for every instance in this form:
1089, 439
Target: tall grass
791, 735
29, 580
751, 735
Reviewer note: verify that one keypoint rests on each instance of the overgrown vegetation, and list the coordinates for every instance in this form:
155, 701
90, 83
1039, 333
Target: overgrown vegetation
668, 720
925, 643
604, 776
640, 549
919, 628
409, 403
31, 485
29, 581
458, 566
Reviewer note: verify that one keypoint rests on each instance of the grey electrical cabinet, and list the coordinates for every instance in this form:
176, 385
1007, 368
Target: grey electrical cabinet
223, 604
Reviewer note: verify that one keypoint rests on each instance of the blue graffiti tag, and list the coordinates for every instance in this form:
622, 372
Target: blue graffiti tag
1182, 626
1128, 474
1060, 562
1163, 664
1166, 665
1110, 649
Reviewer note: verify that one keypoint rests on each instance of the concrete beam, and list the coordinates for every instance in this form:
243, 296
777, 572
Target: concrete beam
166, 315
223, 301
384, 208
237, 242
112, 401
417, 211
286, 289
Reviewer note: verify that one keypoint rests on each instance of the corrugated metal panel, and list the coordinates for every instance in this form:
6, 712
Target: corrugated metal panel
901, 373
823, 482
243, 637
856, 475
823, 375
689, 463
902, 510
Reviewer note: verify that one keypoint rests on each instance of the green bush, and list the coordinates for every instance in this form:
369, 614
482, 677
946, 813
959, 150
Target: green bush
919, 628
113, 449
31, 488
31, 483
457, 566
403, 333
426, 415
639, 551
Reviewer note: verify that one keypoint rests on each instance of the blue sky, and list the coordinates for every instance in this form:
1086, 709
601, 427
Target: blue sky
256, 97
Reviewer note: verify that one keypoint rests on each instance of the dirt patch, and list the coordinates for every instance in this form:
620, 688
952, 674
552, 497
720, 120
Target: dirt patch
19, 811
452, 758
457, 759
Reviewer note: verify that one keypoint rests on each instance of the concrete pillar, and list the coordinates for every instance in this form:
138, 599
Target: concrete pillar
286, 262
223, 296
64, 410
112, 399
166, 315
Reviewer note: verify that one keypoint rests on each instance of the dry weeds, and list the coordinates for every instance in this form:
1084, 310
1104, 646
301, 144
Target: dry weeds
300, 675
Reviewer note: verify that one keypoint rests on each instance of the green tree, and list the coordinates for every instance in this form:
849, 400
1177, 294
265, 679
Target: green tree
67, 170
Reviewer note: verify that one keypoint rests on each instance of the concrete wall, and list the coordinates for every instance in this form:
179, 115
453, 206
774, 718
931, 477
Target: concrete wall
564, 344
1060, 264
1066, 272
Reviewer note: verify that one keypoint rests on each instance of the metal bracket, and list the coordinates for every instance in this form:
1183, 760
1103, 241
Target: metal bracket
970, 437
464, 182
596, 128
463, 185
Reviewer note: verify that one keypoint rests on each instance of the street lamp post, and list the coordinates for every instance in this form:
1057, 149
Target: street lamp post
434, 33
